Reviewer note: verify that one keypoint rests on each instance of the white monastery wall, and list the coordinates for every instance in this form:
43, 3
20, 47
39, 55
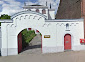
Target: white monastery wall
56, 29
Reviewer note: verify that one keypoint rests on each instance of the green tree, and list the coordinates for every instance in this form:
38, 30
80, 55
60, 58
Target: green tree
4, 16
27, 36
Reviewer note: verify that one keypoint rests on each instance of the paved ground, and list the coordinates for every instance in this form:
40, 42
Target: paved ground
34, 46
69, 56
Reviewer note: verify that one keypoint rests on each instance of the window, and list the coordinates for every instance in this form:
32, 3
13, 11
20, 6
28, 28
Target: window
29, 28
37, 10
67, 26
43, 11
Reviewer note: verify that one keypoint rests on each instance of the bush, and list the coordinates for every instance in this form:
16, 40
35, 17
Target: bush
27, 36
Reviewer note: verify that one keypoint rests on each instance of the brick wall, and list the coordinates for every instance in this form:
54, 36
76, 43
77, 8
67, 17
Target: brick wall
69, 9
83, 13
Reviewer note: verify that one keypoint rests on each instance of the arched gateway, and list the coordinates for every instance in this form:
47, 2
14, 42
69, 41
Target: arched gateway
20, 21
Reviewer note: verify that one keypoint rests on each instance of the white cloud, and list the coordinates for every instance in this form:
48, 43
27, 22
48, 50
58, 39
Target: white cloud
13, 6
10, 8
1, 2
31, 3
53, 3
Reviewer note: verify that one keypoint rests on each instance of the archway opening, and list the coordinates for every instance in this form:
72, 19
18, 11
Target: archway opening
29, 41
67, 42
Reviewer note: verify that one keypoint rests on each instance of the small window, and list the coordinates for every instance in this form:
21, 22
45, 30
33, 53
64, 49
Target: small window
67, 26
43, 11
29, 28
37, 10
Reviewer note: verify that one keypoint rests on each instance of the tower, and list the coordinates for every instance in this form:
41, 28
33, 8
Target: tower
83, 13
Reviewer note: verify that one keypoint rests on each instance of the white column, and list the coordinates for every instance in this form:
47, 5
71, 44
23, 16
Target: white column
12, 41
4, 39
46, 13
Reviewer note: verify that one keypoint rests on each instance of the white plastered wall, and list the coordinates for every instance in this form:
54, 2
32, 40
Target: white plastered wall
76, 30
56, 30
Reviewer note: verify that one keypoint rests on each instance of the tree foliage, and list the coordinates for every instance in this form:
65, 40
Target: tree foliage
27, 36
4, 16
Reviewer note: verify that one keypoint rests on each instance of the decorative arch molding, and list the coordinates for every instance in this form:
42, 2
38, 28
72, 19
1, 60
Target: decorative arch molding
46, 24
28, 18
70, 24
27, 12
62, 24
74, 24
12, 25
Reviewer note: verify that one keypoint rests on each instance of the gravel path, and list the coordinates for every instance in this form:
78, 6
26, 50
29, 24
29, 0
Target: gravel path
34, 46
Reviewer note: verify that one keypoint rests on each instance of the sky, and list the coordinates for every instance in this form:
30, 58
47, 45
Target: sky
13, 6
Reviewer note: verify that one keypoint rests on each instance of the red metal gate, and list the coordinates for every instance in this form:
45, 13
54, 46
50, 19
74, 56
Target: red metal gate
67, 42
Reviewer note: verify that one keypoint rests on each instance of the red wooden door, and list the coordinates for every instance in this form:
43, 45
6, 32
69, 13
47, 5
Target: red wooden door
67, 42
19, 42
